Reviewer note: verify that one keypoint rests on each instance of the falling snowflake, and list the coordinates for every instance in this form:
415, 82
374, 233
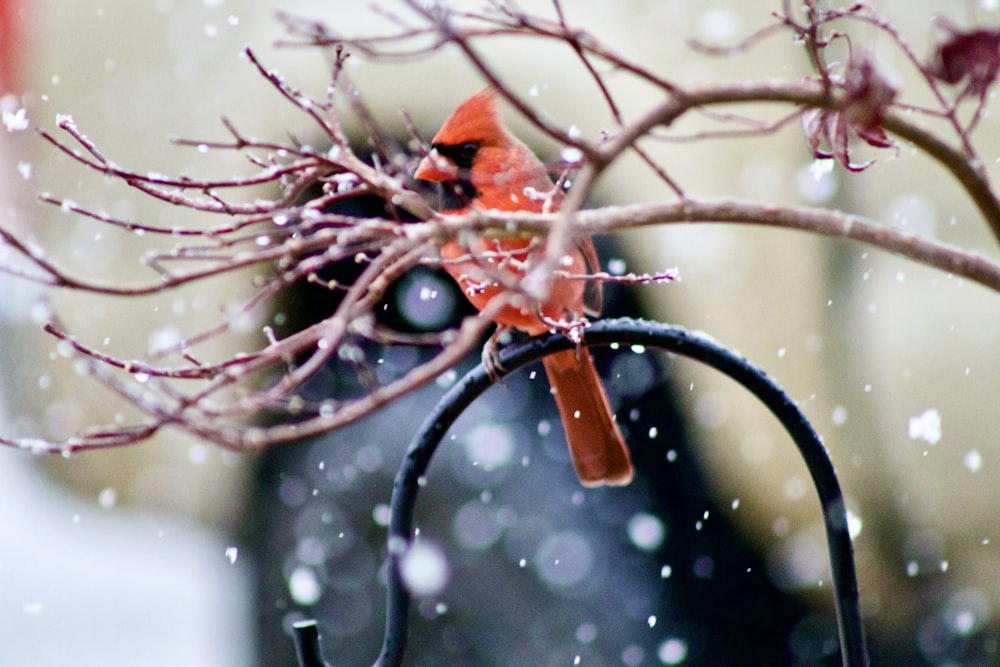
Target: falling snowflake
15, 121
926, 426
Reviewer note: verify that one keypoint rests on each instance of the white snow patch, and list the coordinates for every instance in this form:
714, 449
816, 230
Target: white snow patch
15, 121
926, 426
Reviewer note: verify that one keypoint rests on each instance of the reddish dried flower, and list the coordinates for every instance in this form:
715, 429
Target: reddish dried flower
973, 56
867, 94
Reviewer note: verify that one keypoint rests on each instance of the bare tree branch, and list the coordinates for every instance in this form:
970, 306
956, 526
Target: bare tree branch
289, 240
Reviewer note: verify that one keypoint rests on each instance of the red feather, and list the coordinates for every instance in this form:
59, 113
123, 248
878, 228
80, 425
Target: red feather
474, 150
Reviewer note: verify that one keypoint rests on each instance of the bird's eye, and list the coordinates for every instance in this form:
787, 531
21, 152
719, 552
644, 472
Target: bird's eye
468, 150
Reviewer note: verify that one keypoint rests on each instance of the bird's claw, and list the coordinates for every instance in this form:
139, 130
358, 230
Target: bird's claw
491, 356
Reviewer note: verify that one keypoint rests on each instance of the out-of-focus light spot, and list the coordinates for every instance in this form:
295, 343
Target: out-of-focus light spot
381, 514
369, 458
711, 410
424, 569
633, 655
107, 498
672, 651
571, 155
304, 586
232, 553
586, 633
799, 561
424, 300
967, 610
794, 488
564, 559
973, 460
816, 182
489, 446
913, 213
703, 567
718, 24
293, 491
198, 454
447, 378
839, 415
632, 375
475, 526
311, 551
646, 531
854, 524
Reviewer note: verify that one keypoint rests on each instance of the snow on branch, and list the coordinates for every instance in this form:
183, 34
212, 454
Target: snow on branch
844, 105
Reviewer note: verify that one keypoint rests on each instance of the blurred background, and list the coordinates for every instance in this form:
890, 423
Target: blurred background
174, 552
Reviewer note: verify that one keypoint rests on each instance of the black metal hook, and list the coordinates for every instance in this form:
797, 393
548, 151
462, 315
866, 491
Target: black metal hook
307, 648
674, 339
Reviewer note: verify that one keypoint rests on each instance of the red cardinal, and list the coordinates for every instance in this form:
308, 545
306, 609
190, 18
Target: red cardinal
482, 165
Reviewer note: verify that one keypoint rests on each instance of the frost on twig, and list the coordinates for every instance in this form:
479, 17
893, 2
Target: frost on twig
332, 207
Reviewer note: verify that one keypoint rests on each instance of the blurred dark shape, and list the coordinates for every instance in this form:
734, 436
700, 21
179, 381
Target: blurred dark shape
969, 55
541, 570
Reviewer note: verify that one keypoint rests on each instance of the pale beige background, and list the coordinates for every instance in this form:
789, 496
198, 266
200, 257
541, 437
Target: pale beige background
863, 340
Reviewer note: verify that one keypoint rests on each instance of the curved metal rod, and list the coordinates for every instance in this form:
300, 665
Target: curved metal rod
650, 334
307, 648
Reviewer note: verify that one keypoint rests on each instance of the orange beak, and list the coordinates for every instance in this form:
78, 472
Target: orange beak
435, 167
